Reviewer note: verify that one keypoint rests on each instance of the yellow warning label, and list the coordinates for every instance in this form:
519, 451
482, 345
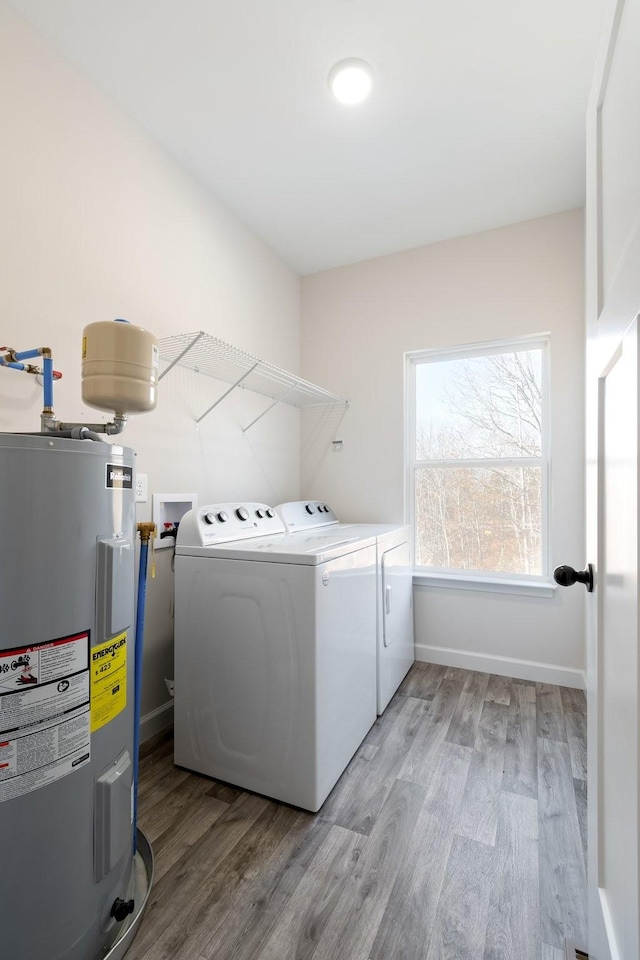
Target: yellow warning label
108, 680
84, 348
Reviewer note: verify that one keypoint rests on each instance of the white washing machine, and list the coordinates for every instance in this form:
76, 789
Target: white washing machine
275, 652
394, 586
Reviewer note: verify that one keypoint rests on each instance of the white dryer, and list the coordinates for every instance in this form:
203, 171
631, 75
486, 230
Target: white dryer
275, 656
394, 586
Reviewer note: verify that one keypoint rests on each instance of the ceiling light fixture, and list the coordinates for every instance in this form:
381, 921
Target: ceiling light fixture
350, 81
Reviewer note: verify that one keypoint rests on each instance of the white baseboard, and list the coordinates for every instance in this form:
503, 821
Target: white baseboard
156, 720
504, 666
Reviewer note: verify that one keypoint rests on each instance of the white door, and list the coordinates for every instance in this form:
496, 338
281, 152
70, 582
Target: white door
617, 700
613, 304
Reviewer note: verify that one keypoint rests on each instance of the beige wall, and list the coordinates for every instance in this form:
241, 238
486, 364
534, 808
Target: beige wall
357, 323
96, 222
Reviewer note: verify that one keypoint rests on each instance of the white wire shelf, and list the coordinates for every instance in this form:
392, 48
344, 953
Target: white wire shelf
214, 358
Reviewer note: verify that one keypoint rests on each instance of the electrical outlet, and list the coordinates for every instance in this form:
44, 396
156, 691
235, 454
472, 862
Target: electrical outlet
141, 488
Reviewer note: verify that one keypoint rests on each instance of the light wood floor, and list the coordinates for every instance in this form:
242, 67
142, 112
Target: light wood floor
457, 831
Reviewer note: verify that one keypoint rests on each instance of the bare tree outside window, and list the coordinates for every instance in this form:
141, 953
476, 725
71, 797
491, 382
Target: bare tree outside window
478, 465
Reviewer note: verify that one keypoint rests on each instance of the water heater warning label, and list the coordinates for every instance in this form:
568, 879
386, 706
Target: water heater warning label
108, 680
44, 713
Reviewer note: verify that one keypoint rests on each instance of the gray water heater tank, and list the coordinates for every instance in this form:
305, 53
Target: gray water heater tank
67, 547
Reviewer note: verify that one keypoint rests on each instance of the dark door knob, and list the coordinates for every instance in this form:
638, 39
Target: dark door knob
567, 576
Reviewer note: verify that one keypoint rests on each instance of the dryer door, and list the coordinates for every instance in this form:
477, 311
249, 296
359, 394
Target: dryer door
397, 614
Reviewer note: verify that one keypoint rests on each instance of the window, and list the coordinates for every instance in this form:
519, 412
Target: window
477, 459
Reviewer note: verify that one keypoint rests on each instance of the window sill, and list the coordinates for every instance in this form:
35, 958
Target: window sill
522, 588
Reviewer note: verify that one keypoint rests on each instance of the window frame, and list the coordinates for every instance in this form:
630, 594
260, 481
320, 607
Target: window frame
522, 583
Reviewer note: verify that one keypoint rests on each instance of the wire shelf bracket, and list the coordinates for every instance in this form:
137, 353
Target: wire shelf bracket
214, 358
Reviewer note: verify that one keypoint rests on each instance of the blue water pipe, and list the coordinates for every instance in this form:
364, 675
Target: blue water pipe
14, 366
146, 532
48, 373
28, 354
47, 381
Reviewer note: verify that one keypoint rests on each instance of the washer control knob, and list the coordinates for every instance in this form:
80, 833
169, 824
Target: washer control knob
270, 512
309, 508
242, 513
209, 518
260, 512
223, 517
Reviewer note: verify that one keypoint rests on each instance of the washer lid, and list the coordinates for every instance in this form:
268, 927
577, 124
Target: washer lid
312, 548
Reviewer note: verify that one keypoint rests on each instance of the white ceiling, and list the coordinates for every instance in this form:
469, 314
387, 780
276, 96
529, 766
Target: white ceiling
476, 119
